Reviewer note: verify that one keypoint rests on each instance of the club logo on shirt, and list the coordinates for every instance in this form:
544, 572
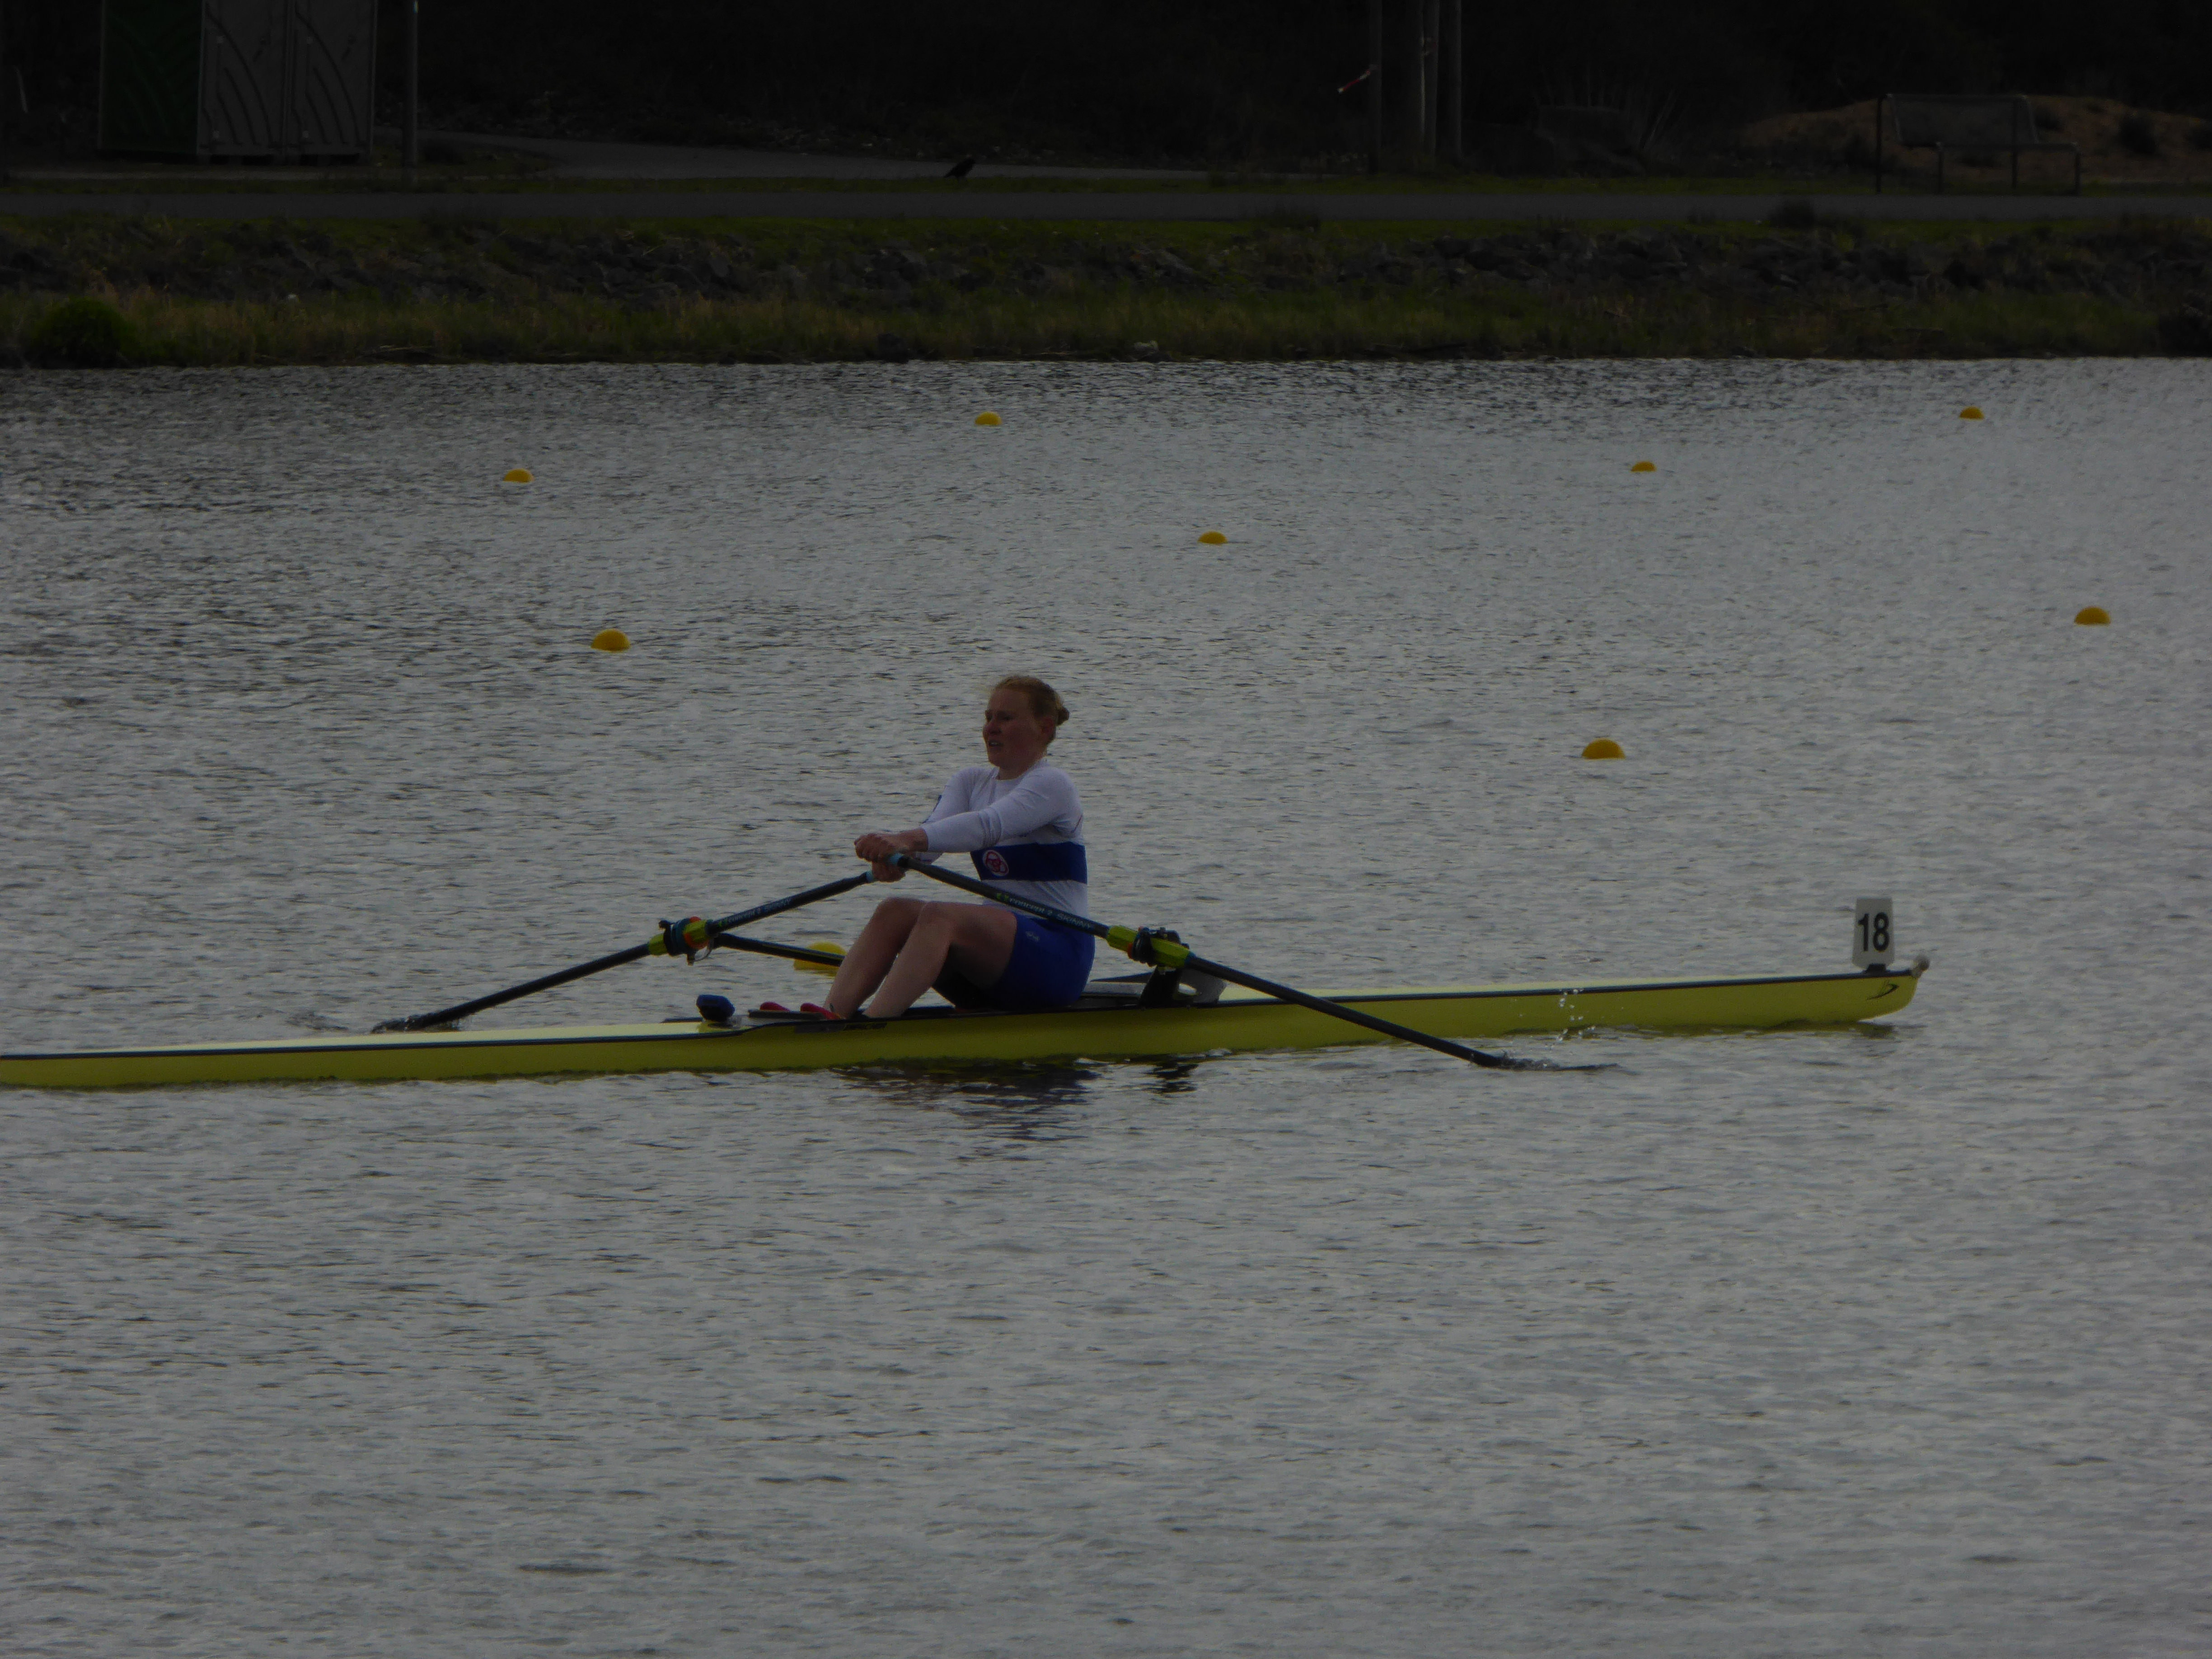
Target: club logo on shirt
995, 862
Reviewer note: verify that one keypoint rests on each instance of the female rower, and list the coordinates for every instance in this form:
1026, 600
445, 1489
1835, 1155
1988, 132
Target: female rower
1020, 820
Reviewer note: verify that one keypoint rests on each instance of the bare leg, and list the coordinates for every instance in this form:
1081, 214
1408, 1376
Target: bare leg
871, 954
975, 939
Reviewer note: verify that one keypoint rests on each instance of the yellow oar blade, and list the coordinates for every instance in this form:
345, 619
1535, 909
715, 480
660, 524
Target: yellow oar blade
827, 947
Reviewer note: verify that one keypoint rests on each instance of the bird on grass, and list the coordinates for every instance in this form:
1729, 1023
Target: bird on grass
961, 168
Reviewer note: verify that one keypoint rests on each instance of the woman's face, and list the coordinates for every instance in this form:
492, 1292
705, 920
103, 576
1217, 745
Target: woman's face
1014, 739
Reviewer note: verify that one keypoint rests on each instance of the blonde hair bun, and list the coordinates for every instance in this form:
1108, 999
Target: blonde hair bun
1044, 702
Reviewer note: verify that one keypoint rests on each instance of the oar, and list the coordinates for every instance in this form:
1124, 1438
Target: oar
811, 960
1170, 953
828, 956
674, 938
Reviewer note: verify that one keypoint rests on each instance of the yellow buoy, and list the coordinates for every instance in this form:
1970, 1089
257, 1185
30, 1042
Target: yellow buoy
1645, 466
1603, 749
1213, 538
610, 639
519, 475
1970, 413
2092, 616
987, 418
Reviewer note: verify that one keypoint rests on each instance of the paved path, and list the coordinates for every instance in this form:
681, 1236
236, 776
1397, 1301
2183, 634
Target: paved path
1196, 205
575, 158
600, 162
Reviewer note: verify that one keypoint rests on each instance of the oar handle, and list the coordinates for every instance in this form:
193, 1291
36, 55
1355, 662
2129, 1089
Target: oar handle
1172, 953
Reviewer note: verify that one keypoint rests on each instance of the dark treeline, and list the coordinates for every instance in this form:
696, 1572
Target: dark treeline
1232, 81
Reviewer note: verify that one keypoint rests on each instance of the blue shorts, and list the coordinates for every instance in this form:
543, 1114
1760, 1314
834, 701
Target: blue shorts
1048, 968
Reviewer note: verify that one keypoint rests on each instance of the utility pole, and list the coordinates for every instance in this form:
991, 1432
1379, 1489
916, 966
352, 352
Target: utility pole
7, 173
1412, 103
1374, 83
1432, 64
409, 149
1452, 142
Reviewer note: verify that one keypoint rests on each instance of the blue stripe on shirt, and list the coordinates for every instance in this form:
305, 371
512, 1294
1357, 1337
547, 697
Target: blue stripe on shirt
1033, 862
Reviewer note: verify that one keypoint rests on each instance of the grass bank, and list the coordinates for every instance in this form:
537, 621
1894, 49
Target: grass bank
435, 190
1108, 326
268, 293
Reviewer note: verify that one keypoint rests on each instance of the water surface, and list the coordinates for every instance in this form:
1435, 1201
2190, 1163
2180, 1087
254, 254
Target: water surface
1889, 1341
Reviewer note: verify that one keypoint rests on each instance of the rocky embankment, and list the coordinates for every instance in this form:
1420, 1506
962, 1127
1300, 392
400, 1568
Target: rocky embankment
2160, 271
651, 267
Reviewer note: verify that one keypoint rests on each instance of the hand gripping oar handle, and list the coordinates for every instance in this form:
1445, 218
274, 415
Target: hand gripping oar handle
1171, 953
697, 933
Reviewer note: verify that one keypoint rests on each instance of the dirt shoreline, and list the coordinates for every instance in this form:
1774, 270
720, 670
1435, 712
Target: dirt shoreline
268, 292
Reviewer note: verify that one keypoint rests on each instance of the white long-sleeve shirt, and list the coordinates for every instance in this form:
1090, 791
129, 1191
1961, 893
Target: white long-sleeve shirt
1025, 833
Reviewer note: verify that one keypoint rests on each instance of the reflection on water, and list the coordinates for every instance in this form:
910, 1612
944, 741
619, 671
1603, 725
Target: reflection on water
1355, 1352
1022, 1101
1025, 1101
1172, 1077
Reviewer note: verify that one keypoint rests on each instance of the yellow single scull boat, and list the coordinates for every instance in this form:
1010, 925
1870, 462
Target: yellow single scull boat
1110, 1024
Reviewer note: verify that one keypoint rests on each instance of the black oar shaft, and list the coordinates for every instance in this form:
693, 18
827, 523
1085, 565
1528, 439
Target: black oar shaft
461, 1011
1120, 938
777, 906
769, 947
1388, 1028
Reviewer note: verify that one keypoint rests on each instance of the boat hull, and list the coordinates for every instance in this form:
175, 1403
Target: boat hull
1239, 1022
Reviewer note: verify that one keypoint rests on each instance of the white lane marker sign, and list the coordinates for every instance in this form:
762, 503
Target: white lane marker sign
1873, 933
